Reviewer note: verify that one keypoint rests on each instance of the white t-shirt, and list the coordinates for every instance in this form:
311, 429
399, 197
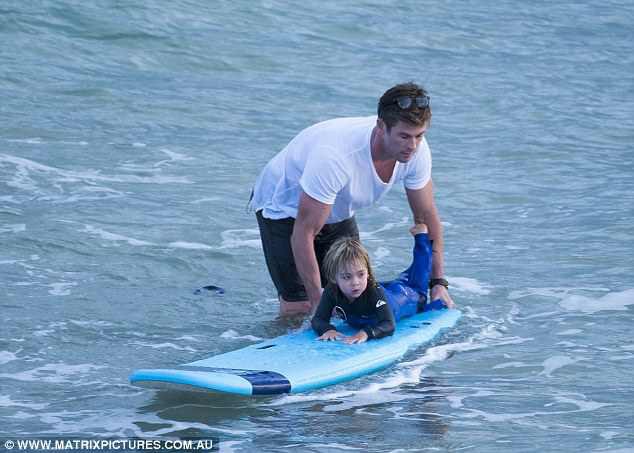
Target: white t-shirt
331, 162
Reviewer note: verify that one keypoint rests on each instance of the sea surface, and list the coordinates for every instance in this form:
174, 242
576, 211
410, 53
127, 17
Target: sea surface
131, 133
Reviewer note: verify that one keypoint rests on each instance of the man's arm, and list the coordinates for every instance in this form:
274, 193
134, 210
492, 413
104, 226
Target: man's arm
311, 217
423, 206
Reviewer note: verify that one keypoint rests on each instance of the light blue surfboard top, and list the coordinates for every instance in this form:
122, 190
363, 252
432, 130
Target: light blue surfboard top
298, 362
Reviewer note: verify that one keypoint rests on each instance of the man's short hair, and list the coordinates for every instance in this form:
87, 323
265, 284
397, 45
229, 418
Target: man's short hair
391, 113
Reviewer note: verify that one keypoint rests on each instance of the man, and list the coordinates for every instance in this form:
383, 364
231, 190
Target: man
306, 196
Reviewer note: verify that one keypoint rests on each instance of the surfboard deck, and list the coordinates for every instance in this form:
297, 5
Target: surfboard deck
297, 362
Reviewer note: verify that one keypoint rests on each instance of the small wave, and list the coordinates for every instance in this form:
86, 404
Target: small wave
581, 406
6, 401
405, 372
189, 245
233, 335
240, 238
469, 285
610, 302
205, 200
6, 357
54, 373
13, 228
569, 332
24, 166
380, 253
61, 288
554, 363
368, 235
113, 236
115, 423
164, 346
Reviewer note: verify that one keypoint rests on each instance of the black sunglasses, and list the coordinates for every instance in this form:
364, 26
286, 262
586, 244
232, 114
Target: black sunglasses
405, 102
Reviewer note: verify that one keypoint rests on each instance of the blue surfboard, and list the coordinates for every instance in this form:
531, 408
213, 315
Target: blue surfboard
297, 362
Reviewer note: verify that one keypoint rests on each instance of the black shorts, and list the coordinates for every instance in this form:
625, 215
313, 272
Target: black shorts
276, 242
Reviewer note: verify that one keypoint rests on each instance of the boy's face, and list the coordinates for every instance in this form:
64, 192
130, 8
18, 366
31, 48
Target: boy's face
352, 280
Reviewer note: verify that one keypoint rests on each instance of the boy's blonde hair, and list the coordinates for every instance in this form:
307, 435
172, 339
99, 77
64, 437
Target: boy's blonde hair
342, 252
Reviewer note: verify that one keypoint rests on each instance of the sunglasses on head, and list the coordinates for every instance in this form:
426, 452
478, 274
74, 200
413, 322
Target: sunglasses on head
405, 102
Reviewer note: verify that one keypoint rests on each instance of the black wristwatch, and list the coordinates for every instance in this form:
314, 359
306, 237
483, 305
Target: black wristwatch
438, 281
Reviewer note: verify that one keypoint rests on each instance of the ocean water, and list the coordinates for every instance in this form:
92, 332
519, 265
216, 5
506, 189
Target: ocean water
132, 132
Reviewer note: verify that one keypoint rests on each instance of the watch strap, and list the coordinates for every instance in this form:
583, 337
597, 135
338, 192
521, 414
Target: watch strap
438, 281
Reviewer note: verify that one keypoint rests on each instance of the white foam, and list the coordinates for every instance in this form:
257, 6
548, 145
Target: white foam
98, 324
6, 357
25, 167
30, 141
569, 332
511, 365
92, 193
6, 401
164, 345
124, 423
367, 235
42, 332
61, 288
205, 200
609, 435
114, 237
174, 156
582, 406
556, 293
233, 335
240, 238
380, 253
189, 245
555, 362
616, 301
53, 373
470, 285
13, 228
188, 338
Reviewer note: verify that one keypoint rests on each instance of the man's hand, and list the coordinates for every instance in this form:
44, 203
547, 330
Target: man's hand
330, 335
359, 337
440, 292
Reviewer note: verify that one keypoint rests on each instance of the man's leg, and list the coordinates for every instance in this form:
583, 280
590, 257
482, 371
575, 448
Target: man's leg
276, 243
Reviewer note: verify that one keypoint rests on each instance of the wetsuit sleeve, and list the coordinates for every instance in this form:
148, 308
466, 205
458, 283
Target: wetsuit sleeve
321, 319
385, 318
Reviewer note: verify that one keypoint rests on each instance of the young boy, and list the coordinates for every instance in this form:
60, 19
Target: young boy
372, 307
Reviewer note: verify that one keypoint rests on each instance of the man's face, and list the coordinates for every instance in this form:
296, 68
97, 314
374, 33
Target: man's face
402, 141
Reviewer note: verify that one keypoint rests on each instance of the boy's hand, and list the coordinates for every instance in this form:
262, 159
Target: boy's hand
359, 337
330, 335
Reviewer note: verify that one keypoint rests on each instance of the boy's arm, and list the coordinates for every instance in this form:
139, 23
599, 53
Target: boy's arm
321, 320
385, 318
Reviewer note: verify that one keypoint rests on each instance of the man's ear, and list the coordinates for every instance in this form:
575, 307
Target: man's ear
381, 126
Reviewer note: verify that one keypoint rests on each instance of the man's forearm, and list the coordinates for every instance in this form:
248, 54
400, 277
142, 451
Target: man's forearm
436, 235
306, 264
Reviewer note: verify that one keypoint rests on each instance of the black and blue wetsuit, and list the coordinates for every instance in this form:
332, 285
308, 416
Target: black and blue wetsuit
405, 296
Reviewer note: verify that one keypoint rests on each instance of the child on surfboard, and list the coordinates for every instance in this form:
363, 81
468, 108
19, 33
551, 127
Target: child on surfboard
372, 307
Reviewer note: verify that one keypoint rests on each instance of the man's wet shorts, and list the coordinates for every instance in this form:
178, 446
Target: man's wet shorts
276, 242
